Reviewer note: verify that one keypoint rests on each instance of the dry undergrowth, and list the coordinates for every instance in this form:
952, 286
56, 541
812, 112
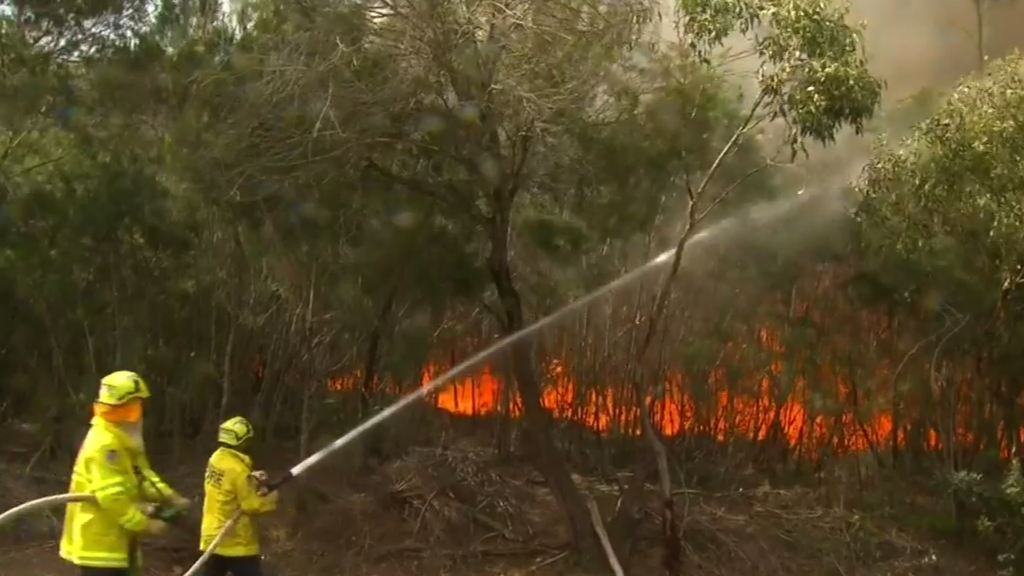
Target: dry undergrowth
459, 507
458, 510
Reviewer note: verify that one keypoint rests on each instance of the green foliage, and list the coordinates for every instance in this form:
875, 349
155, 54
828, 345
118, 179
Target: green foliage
944, 203
245, 198
942, 232
998, 513
812, 72
243, 208
206, 194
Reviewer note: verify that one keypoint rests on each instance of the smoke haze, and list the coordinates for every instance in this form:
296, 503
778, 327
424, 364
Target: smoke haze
919, 44
913, 45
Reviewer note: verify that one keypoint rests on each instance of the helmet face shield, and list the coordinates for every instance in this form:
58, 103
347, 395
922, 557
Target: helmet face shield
128, 413
235, 432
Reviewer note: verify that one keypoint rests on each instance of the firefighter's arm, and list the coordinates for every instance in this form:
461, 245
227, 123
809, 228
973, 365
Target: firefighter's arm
249, 499
154, 489
110, 481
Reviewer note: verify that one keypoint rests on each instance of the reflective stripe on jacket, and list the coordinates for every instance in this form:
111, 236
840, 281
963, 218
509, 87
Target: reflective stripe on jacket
110, 467
228, 488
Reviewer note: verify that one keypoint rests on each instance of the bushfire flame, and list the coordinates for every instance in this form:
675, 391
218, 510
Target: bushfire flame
769, 409
675, 412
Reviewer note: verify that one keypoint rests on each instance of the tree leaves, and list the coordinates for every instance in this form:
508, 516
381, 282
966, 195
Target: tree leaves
812, 72
945, 202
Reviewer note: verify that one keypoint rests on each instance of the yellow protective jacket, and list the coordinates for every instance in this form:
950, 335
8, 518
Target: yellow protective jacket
228, 488
111, 467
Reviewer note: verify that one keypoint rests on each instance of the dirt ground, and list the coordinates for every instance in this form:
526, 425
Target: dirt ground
457, 511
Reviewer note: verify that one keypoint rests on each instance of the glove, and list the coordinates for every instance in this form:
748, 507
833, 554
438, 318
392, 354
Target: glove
261, 479
155, 527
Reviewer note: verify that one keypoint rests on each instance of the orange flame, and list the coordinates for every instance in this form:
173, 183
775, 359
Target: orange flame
766, 411
676, 412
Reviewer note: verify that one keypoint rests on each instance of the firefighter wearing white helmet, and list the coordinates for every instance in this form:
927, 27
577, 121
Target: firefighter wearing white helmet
101, 537
232, 485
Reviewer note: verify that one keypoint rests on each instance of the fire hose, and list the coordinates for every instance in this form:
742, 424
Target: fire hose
165, 513
43, 503
434, 385
458, 371
315, 458
293, 473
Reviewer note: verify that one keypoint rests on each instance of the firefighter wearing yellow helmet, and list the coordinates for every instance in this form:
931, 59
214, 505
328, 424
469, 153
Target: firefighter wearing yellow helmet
232, 485
101, 537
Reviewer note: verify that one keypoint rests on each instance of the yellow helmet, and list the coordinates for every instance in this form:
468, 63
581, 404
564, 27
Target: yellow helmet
234, 432
120, 387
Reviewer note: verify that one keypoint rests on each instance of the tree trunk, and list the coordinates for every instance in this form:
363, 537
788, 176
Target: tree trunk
371, 361
544, 454
227, 373
367, 391
503, 435
979, 25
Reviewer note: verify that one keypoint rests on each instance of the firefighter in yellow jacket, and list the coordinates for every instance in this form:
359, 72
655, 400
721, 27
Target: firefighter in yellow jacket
232, 485
101, 538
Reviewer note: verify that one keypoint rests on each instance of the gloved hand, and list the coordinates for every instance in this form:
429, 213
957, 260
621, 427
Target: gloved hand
154, 527
261, 478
